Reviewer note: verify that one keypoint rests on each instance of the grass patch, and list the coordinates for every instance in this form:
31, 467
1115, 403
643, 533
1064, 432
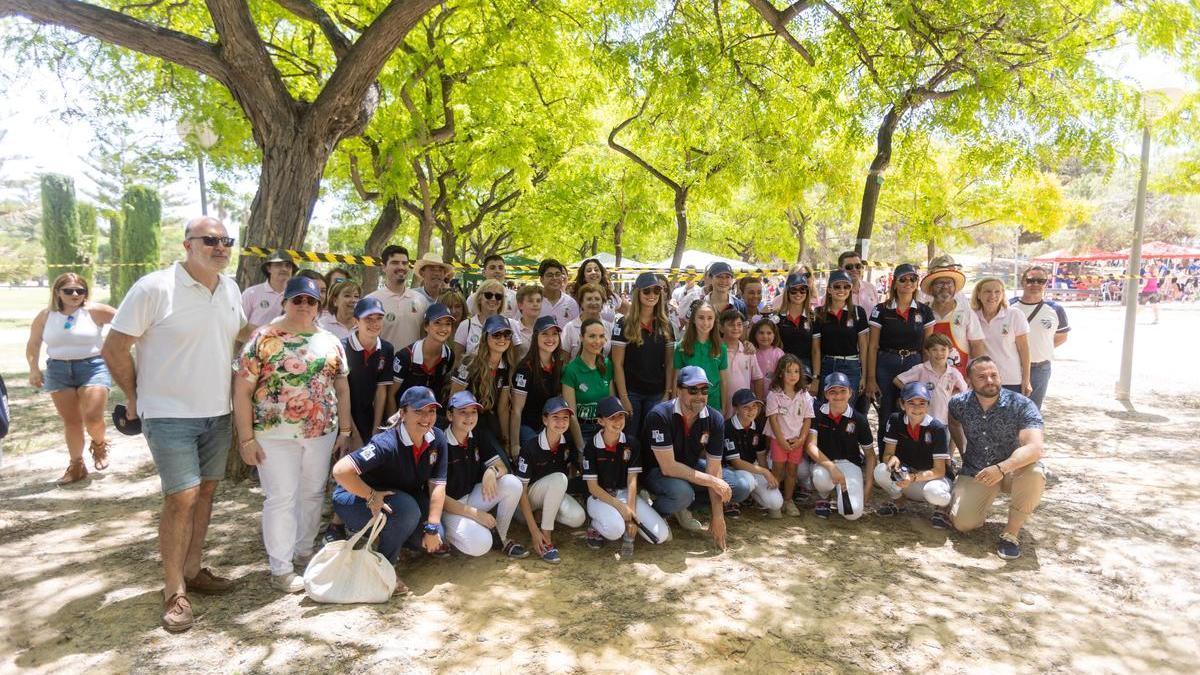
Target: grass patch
35, 423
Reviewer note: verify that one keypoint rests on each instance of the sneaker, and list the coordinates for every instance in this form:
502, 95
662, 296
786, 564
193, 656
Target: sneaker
442, 551
802, 497
594, 540
514, 550
791, 509
645, 496
888, 509
688, 522
774, 514
551, 556
177, 613
287, 582
1009, 547
335, 532
939, 521
627, 547
822, 509
732, 511
207, 583
301, 562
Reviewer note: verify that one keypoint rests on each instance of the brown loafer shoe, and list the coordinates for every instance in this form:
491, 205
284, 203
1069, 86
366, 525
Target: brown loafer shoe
207, 583
100, 454
177, 614
75, 472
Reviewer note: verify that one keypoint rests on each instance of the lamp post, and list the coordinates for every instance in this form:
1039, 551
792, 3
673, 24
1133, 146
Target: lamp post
1155, 104
202, 136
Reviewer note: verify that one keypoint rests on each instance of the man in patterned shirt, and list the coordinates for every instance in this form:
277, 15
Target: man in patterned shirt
999, 434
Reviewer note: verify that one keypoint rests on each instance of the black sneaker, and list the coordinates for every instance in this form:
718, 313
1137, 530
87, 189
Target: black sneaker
514, 550
732, 511
594, 540
1008, 547
888, 509
335, 532
939, 521
822, 509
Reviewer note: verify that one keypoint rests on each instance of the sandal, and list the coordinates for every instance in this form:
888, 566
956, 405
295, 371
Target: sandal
99, 450
75, 472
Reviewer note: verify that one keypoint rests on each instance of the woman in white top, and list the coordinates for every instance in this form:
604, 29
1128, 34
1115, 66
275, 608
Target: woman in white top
488, 300
76, 377
1005, 333
591, 306
338, 317
592, 271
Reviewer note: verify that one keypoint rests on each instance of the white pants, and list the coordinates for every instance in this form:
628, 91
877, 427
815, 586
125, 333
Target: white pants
935, 492
609, 523
549, 493
293, 479
823, 483
466, 534
768, 498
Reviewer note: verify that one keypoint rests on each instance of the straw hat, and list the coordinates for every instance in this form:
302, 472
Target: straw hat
432, 259
944, 267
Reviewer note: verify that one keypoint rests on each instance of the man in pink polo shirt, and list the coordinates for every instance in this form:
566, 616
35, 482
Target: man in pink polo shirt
404, 307
863, 292
263, 302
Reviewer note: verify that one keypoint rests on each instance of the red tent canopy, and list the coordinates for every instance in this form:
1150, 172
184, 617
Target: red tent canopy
1065, 255
1160, 249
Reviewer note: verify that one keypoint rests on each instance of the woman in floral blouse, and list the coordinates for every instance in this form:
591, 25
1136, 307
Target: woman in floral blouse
291, 404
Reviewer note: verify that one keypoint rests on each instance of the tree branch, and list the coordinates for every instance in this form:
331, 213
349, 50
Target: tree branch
612, 143
311, 12
778, 21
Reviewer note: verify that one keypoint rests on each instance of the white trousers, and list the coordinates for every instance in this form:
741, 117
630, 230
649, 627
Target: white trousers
549, 493
823, 483
466, 534
768, 498
293, 483
609, 523
935, 492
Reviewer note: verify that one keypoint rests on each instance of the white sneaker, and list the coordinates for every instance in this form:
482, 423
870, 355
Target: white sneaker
301, 562
288, 582
688, 522
774, 514
790, 509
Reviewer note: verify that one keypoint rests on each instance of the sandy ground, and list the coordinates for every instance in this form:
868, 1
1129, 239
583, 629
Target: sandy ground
1108, 581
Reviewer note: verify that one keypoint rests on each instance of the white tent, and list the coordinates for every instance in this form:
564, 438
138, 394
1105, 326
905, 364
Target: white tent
701, 260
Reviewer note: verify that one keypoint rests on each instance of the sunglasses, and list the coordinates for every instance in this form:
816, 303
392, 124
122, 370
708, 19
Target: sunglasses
72, 291
907, 279
852, 266
304, 300
212, 240
502, 335
798, 289
492, 296
697, 391
652, 290
840, 287
1037, 281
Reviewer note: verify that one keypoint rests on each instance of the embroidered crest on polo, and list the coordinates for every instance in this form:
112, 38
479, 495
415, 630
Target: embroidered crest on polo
520, 380
704, 438
583, 386
522, 466
263, 304
658, 436
626, 455
433, 457
850, 428
368, 451
389, 317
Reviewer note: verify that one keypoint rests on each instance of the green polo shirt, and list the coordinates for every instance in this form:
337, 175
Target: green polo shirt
712, 367
590, 385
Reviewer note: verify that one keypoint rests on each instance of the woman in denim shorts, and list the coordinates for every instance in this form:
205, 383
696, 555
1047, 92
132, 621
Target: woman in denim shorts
75, 376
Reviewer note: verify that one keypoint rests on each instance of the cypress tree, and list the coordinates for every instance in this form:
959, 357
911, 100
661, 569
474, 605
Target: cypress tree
89, 242
116, 278
141, 235
60, 225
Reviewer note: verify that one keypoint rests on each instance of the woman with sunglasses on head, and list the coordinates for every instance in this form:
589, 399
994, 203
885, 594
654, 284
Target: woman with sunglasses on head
537, 379
795, 321
592, 272
642, 352
840, 333
489, 302
291, 404
338, 317
898, 328
76, 377
337, 275
487, 374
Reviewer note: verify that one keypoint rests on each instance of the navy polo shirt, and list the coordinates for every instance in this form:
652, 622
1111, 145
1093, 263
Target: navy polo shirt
839, 333
388, 463
465, 464
848, 438
897, 332
538, 460
410, 370
932, 441
367, 374
611, 467
537, 391
664, 428
796, 336
500, 382
743, 442
645, 365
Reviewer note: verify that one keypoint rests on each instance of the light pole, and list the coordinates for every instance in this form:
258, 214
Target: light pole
1155, 104
202, 136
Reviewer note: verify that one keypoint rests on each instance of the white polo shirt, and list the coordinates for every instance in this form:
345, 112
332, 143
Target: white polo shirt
404, 313
1000, 336
1046, 319
564, 310
261, 304
510, 304
572, 338
184, 345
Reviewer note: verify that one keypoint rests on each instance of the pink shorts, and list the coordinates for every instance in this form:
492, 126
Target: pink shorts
779, 454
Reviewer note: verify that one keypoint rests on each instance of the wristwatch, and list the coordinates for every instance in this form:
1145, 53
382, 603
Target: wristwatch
433, 528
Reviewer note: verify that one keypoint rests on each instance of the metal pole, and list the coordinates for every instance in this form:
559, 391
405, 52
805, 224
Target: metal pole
203, 189
1132, 276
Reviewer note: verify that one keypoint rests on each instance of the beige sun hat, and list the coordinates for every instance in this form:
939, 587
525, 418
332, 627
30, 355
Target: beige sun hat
944, 267
432, 259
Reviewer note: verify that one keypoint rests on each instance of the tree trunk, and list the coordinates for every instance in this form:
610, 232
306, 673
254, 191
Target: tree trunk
449, 243
930, 252
381, 233
681, 226
618, 232
799, 222
874, 183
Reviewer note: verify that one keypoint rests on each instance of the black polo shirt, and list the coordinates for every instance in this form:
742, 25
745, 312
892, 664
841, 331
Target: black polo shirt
538, 460
537, 391
743, 442
367, 375
466, 462
932, 441
388, 462
611, 467
839, 333
897, 332
847, 438
500, 382
664, 427
797, 336
645, 365
410, 370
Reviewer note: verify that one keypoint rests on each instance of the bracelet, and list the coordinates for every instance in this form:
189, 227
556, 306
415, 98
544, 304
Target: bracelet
247, 442
1000, 469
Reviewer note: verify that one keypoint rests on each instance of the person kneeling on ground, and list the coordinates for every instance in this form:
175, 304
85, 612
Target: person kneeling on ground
999, 433
916, 450
840, 445
746, 453
542, 467
401, 471
475, 485
678, 431
611, 464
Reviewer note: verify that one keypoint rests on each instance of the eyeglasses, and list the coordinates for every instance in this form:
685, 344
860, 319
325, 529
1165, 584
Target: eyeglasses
304, 300
72, 291
698, 391
555, 275
492, 296
652, 290
852, 266
1037, 281
212, 240
840, 287
907, 279
502, 335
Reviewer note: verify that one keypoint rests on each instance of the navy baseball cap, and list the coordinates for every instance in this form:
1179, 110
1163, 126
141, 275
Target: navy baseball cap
437, 311
646, 280
718, 268
301, 286
418, 398
554, 405
610, 406
463, 399
837, 276
914, 390
367, 307
905, 268
691, 376
743, 397
797, 279
545, 323
496, 324
835, 379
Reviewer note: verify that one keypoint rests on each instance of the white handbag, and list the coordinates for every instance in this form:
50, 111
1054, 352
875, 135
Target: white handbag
340, 573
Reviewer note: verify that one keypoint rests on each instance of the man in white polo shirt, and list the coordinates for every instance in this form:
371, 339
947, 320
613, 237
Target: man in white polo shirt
184, 321
405, 307
555, 302
263, 302
1047, 328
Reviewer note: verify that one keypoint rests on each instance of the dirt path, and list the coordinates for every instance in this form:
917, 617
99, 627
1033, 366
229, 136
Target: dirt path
1108, 581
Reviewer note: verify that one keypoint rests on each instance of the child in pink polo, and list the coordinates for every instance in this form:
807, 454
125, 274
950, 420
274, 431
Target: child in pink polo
941, 380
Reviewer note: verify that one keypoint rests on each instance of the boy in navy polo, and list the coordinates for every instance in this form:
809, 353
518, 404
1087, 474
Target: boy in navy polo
746, 453
916, 452
840, 446
611, 464
542, 467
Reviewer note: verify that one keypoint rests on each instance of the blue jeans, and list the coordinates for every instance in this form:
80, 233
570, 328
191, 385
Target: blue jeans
672, 495
887, 366
1039, 379
641, 404
852, 369
187, 450
401, 525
